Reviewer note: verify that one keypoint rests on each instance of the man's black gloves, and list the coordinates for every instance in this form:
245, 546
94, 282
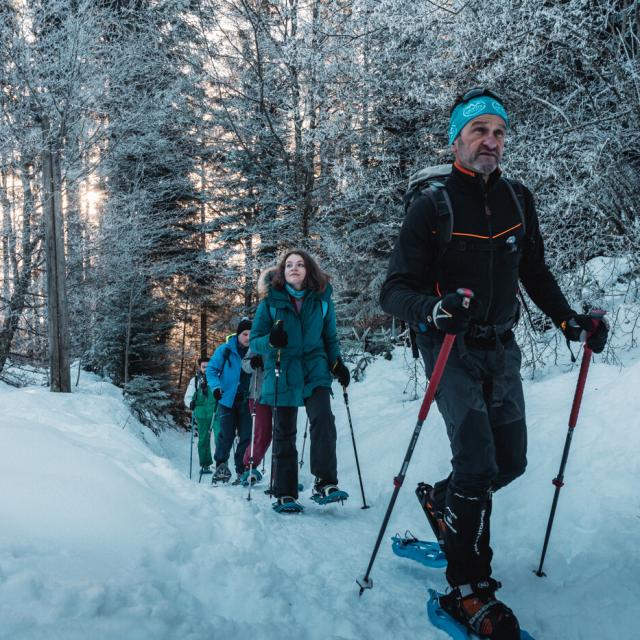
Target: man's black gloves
217, 393
341, 372
278, 337
256, 362
579, 326
452, 313
192, 404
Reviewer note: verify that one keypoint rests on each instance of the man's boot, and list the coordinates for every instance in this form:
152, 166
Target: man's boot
476, 607
434, 515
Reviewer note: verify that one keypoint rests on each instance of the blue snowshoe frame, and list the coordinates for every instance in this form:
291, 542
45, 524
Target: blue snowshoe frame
245, 477
288, 507
442, 620
425, 552
335, 496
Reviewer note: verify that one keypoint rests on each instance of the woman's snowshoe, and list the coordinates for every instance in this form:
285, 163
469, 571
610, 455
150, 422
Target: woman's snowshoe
250, 478
287, 504
326, 493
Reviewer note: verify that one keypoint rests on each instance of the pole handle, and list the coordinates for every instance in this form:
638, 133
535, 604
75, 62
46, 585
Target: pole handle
597, 316
467, 294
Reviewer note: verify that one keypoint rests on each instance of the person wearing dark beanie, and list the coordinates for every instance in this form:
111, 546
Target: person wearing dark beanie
230, 385
243, 325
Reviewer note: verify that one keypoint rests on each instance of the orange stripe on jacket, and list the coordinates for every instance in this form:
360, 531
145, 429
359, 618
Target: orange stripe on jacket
459, 167
497, 235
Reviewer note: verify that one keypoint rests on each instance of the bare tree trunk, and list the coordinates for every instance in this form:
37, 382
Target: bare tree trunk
203, 249
57, 315
248, 266
308, 209
184, 338
8, 238
127, 343
22, 280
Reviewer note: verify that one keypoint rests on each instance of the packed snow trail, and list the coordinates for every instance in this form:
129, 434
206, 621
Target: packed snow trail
103, 536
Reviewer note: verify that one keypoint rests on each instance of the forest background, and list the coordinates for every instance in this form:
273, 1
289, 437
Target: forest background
156, 154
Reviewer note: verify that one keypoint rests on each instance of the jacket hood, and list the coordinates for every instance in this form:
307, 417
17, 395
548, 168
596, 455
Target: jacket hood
264, 285
264, 281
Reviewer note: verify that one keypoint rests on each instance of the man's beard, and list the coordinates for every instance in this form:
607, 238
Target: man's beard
486, 163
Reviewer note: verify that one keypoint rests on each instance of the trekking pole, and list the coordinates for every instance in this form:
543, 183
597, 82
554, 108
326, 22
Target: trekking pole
438, 369
304, 442
355, 451
275, 412
596, 315
191, 451
253, 432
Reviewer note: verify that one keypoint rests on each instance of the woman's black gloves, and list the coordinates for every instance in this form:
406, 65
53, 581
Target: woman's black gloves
278, 337
341, 372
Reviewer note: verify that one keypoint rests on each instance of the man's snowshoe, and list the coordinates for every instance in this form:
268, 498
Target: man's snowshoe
237, 481
250, 478
222, 474
424, 492
287, 504
473, 612
326, 493
425, 552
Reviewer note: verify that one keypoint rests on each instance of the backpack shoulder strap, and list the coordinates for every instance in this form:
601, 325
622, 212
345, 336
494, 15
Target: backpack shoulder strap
225, 358
517, 195
437, 193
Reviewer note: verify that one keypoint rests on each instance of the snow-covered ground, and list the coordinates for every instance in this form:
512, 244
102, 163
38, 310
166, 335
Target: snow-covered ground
103, 535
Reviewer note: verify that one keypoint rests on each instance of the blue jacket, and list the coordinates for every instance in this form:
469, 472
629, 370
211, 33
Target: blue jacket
224, 369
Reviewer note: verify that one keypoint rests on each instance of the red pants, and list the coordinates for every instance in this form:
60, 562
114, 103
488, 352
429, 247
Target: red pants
262, 433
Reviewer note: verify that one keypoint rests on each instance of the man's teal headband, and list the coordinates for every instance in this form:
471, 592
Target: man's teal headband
476, 106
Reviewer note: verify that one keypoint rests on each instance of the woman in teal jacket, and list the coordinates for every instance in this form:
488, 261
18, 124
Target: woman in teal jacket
296, 323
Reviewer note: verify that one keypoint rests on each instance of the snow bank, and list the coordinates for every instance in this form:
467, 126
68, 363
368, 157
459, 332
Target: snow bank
102, 534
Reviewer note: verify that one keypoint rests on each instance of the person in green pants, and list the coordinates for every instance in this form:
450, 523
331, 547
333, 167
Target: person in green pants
199, 399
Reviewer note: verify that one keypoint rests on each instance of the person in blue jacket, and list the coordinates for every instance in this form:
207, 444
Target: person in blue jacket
230, 386
295, 324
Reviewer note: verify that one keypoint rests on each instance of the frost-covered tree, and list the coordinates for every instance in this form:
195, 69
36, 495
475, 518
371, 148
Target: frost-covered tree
148, 241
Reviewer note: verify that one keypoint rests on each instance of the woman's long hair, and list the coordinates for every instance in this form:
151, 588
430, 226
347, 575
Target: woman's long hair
315, 279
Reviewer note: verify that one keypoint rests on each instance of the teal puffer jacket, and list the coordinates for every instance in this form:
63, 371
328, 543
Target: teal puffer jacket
311, 350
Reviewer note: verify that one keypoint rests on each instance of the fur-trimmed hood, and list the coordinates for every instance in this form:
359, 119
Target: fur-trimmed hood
264, 281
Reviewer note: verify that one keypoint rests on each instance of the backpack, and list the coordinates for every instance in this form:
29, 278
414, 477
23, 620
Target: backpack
225, 360
430, 182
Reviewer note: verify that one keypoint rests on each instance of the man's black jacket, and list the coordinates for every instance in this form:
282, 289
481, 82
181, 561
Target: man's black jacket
489, 251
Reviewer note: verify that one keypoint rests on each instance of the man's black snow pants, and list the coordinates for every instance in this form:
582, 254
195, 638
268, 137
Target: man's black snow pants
233, 419
322, 443
480, 398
